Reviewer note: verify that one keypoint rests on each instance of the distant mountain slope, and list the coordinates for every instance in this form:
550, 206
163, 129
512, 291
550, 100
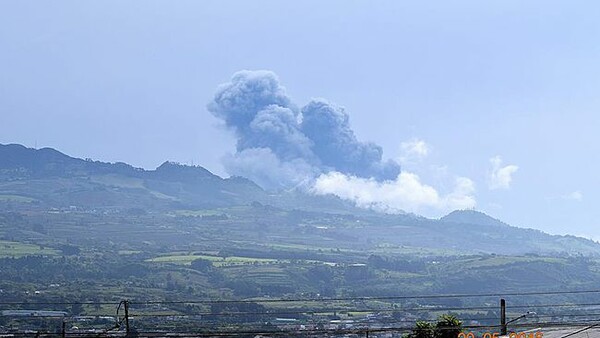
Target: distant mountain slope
47, 179
58, 180
17, 161
492, 235
472, 217
61, 180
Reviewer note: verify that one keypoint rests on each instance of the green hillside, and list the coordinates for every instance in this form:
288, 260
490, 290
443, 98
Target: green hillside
100, 232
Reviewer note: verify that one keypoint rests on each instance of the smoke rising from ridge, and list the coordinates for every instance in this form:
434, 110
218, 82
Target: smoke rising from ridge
280, 145
336, 145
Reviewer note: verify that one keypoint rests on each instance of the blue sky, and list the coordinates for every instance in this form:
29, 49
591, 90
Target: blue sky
448, 89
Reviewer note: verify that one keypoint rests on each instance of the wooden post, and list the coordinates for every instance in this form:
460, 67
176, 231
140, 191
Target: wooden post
126, 303
503, 327
63, 332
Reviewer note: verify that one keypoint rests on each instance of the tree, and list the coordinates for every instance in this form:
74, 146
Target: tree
76, 309
447, 326
422, 329
202, 265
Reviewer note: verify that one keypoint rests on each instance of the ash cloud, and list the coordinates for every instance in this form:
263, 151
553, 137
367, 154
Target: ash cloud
280, 145
336, 145
238, 101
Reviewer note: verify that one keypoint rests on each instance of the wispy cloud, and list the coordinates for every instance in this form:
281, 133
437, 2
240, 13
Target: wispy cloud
405, 193
414, 150
500, 177
574, 196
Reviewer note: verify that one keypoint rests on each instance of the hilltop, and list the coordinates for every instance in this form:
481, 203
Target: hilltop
472, 217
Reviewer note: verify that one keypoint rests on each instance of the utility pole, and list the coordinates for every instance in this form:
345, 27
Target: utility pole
503, 327
126, 303
63, 332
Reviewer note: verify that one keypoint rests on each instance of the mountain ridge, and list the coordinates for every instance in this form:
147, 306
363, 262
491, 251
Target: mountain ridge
55, 180
169, 184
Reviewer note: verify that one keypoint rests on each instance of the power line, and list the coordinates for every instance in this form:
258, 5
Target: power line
326, 310
341, 310
581, 330
286, 300
321, 299
325, 300
208, 314
61, 303
331, 310
208, 332
211, 332
399, 309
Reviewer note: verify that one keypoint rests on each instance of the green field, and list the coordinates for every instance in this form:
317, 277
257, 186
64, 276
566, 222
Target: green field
127, 183
217, 261
198, 213
17, 249
16, 198
497, 261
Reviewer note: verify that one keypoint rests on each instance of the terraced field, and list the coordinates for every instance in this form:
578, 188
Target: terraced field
187, 259
18, 249
16, 198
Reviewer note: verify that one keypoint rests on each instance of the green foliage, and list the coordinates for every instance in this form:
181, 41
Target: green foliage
422, 329
447, 326
106, 232
203, 265
20, 249
56, 181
